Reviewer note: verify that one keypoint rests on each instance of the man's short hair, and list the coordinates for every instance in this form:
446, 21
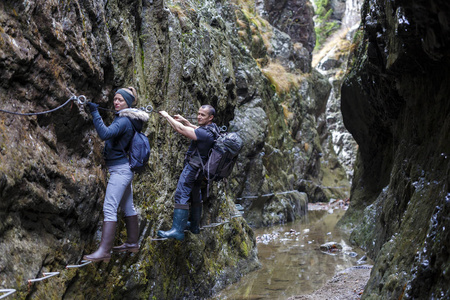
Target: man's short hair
211, 109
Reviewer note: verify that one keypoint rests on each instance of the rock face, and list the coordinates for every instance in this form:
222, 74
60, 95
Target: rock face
395, 103
178, 55
331, 62
294, 17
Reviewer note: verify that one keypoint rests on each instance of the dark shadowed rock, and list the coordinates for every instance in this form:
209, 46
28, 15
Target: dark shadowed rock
395, 103
294, 17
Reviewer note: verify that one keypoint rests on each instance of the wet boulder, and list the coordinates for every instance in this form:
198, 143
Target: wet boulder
331, 247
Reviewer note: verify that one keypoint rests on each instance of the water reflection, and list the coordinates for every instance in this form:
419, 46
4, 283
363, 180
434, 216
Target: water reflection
292, 263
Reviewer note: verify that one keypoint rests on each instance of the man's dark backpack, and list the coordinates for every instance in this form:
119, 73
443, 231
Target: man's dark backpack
138, 151
222, 156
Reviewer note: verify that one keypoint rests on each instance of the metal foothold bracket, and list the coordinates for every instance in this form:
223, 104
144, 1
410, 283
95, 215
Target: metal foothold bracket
7, 291
83, 263
46, 275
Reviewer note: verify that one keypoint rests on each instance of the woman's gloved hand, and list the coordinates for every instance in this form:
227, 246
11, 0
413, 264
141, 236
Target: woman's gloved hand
92, 106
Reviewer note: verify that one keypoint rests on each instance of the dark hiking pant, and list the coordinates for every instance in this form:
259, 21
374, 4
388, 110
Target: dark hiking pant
189, 186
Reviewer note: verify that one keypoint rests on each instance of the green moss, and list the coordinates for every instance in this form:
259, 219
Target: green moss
244, 249
324, 25
273, 87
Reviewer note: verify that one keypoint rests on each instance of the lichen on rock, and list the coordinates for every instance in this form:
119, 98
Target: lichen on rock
178, 55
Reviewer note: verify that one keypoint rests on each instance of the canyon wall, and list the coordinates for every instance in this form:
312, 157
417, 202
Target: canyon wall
395, 104
178, 55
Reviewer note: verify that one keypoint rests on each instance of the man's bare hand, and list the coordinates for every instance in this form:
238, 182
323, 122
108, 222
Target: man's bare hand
163, 113
181, 119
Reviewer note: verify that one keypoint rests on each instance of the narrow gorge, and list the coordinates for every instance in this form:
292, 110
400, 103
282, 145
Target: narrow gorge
253, 61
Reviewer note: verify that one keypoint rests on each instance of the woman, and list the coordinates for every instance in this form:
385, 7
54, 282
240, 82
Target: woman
119, 191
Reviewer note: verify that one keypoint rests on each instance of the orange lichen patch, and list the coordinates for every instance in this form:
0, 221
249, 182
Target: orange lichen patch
241, 23
266, 36
287, 114
306, 147
55, 67
256, 39
298, 46
275, 73
282, 80
248, 5
176, 9
242, 33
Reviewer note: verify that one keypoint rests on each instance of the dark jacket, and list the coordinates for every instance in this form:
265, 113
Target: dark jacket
205, 140
118, 135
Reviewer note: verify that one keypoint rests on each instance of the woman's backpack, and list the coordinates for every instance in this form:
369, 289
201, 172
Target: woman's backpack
138, 151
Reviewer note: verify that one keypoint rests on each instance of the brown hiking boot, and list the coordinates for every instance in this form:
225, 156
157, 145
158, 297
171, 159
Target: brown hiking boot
103, 252
131, 245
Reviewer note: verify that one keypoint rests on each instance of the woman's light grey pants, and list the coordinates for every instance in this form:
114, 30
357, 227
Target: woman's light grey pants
119, 192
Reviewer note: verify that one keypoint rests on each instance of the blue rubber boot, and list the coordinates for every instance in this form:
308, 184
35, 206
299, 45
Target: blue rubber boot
195, 217
180, 217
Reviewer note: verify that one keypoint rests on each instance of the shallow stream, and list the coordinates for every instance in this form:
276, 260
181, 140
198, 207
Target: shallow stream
292, 262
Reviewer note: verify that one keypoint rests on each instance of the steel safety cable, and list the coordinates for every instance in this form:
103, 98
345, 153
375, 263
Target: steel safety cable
81, 100
286, 192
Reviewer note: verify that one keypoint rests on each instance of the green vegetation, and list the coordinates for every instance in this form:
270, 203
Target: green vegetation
324, 26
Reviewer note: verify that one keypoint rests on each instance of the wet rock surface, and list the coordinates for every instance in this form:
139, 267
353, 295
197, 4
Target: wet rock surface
178, 55
394, 102
331, 247
294, 18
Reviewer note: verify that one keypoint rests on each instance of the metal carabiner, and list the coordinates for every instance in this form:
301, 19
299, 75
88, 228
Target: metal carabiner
147, 109
81, 99
223, 128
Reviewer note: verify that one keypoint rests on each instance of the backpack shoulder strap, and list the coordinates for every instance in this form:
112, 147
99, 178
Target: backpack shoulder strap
213, 129
134, 131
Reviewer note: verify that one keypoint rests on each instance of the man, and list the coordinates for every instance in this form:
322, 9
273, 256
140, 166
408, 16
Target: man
189, 184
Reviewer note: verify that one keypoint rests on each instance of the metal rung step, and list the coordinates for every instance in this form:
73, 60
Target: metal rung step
83, 263
7, 292
46, 276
